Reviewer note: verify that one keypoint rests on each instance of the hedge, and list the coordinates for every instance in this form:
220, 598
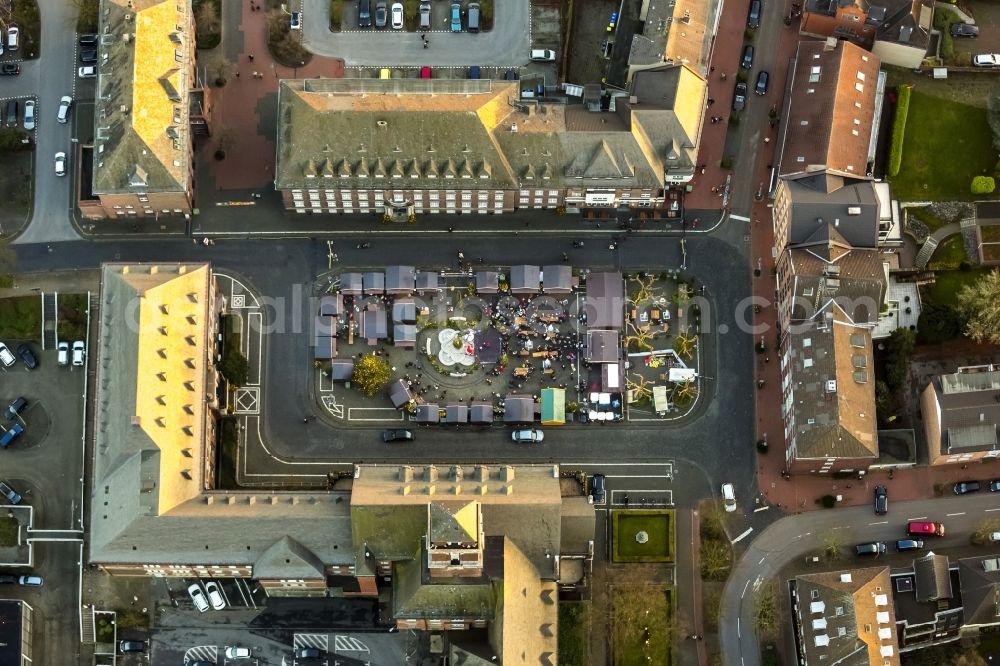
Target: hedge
983, 185
898, 130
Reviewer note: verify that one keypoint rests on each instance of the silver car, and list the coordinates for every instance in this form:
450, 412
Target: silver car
29, 115
530, 435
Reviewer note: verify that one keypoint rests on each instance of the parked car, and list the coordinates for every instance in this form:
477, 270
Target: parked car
475, 72
31, 581
472, 17
543, 55
13, 38
740, 97
237, 652
994, 486
79, 351
198, 597
131, 646
729, 497
12, 114
87, 71
381, 14
994, 536
397, 15
746, 62
528, 435
62, 115
397, 436
364, 13
881, 500
425, 16
762, 80
5, 356
8, 579
215, 595
61, 167
597, 488
9, 493
10, 69
965, 487
425, 72
295, 22
908, 544
986, 60
88, 40
964, 30
308, 653
875, 548
10, 435
88, 55
15, 408
62, 353
29, 115
924, 527
456, 17
753, 16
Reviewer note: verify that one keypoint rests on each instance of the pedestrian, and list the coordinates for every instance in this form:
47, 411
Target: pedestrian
767, 139
703, 171
711, 101
250, 56
723, 74
237, 73
425, 43
712, 68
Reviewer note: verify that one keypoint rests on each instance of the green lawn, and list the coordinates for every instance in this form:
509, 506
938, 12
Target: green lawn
946, 144
638, 645
659, 528
72, 316
21, 318
574, 630
949, 254
8, 532
948, 283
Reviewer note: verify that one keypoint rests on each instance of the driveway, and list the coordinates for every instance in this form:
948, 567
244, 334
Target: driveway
507, 45
795, 536
51, 217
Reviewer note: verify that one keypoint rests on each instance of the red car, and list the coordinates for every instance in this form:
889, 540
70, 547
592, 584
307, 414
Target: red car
924, 527
425, 72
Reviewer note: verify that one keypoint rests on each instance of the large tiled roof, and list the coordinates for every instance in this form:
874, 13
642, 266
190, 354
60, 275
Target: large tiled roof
830, 270
822, 203
830, 122
980, 582
141, 116
466, 134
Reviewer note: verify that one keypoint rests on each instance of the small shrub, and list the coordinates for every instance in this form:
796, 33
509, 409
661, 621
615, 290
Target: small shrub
762, 445
727, 162
749, 34
983, 185
898, 130
336, 7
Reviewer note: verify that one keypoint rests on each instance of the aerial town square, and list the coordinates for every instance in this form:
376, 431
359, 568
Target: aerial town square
474, 332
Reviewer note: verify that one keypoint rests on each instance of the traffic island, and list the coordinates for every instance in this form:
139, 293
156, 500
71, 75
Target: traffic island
642, 536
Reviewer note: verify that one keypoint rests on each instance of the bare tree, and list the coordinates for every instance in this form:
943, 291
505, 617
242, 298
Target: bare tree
638, 622
767, 611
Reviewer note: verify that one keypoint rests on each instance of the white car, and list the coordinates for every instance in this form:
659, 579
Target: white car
62, 115
63, 352
12, 38
215, 595
986, 60
5, 356
29, 115
995, 536
543, 55
531, 435
87, 72
61, 164
198, 597
397, 15
237, 652
729, 497
79, 351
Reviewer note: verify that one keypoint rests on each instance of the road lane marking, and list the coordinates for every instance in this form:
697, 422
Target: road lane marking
920, 518
840, 527
738, 634
743, 536
762, 508
761, 561
949, 515
881, 522
998, 509
744, 593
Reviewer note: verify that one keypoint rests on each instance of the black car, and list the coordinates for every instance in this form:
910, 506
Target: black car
365, 14
964, 487
88, 55
597, 488
15, 408
132, 646
740, 97
747, 61
9, 493
397, 436
875, 548
908, 544
881, 500
964, 30
762, 80
10, 69
24, 351
994, 486
308, 653
88, 40
7, 579
753, 16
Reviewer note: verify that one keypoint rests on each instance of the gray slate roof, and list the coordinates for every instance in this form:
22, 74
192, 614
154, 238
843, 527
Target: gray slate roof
558, 279
519, 409
970, 413
524, 279
481, 412
400, 279
605, 305
427, 281
487, 282
980, 583
341, 369
822, 203
428, 413
373, 282
351, 284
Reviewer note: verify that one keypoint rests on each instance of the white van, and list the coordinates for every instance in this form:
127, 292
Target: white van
729, 497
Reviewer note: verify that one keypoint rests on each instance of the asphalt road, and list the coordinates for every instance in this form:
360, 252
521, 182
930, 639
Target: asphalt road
796, 536
506, 45
50, 220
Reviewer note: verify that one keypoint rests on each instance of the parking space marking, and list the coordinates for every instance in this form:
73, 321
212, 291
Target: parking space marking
321, 641
395, 414
644, 501
255, 324
330, 402
209, 653
343, 644
247, 400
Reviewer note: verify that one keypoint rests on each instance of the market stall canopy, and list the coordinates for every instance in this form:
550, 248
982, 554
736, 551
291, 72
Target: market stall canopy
602, 346
681, 374
404, 311
525, 279
325, 348
404, 335
427, 281
400, 279
612, 377
351, 284
324, 327
459, 413
373, 324
341, 369
553, 406
428, 414
331, 305
487, 282
660, 402
605, 306
519, 409
557, 279
481, 412
399, 393
373, 283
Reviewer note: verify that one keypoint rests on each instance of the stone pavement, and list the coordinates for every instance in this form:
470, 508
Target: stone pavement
244, 110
